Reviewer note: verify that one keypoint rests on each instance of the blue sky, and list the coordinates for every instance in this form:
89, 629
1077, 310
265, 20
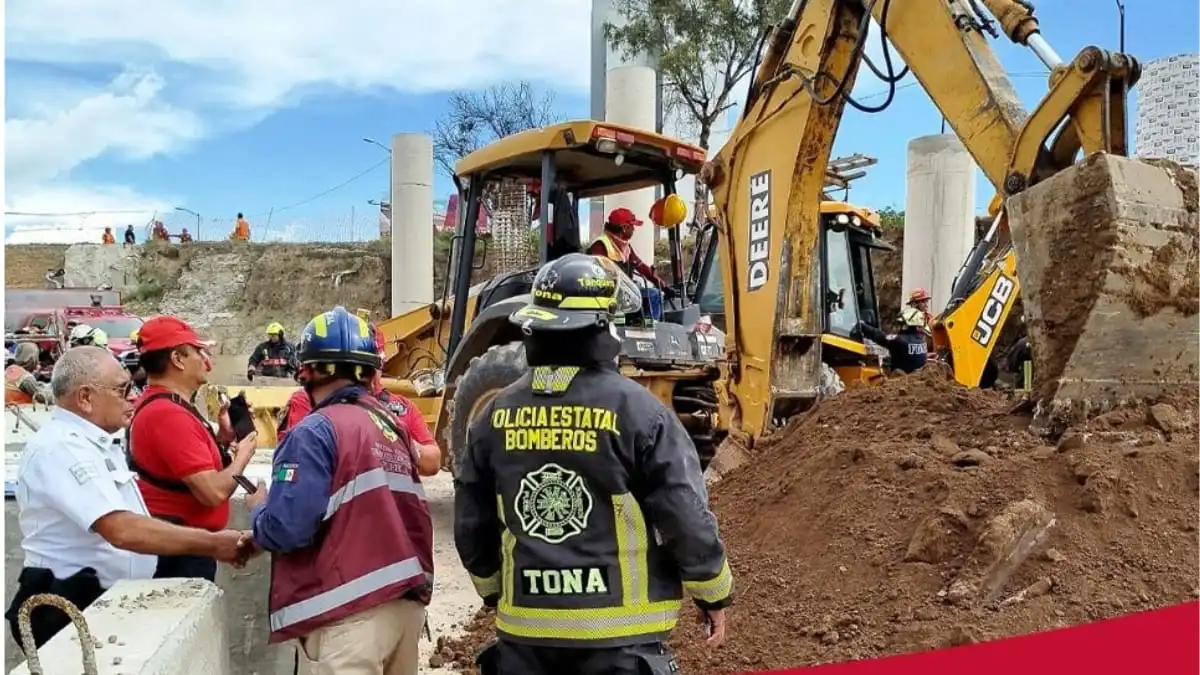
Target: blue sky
198, 105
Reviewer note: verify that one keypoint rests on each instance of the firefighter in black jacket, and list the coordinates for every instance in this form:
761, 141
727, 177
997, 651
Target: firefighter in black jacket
274, 358
580, 508
908, 348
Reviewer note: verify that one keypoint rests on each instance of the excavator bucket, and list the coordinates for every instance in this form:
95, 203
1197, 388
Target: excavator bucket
1107, 258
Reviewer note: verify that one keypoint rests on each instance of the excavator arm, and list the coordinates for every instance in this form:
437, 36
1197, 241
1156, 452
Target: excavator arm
767, 180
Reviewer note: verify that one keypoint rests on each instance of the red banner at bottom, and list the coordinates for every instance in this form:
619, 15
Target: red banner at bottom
1160, 642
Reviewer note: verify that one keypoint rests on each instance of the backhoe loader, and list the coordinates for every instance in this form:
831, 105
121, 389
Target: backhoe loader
1078, 231
454, 356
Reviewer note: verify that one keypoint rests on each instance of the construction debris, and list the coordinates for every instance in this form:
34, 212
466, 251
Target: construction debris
920, 515
858, 531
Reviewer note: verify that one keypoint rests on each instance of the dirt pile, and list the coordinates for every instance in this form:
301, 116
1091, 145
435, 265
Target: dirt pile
920, 515
25, 265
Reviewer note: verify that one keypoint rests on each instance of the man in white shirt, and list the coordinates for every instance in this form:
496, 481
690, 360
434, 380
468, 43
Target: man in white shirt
84, 523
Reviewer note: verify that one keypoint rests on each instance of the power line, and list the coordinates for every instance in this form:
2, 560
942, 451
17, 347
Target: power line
78, 213
302, 202
335, 188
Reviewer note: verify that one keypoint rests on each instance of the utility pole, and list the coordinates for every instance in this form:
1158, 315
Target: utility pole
180, 208
1121, 13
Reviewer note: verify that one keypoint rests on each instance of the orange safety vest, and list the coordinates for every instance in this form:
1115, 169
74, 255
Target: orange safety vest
612, 250
108, 238
12, 386
241, 230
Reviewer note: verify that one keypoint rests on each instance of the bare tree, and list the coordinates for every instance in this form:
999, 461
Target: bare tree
477, 118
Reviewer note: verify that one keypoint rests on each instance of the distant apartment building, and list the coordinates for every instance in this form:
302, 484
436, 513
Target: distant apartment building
1168, 109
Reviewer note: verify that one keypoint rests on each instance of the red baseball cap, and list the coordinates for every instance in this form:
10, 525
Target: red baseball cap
622, 217
167, 332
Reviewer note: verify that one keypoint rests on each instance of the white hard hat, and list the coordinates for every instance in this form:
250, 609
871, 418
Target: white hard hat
85, 334
911, 316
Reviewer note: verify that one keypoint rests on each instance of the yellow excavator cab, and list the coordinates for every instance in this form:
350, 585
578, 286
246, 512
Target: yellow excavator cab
467, 351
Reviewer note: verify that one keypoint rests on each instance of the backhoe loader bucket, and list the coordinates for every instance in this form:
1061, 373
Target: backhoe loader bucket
1107, 257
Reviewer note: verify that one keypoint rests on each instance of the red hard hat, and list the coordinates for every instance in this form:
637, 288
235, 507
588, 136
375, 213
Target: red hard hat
623, 217
919, 295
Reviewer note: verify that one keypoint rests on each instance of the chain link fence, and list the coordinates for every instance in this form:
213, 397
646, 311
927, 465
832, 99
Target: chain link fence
352, 224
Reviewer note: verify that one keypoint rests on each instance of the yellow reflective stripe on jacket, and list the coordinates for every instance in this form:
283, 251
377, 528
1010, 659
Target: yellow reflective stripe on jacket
713, 590
596, 623
632, 545
508, 545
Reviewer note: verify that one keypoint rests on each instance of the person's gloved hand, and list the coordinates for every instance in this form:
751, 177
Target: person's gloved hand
250, 374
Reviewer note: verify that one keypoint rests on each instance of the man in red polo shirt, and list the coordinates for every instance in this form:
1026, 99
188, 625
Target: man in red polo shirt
184, 473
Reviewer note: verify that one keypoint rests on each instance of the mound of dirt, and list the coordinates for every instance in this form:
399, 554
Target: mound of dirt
920, 515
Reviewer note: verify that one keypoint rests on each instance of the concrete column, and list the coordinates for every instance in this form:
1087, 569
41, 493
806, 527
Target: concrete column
939, 216
630, 94
412, 221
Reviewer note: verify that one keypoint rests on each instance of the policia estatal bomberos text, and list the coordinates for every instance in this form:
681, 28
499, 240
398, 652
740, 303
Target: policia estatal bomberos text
580, 508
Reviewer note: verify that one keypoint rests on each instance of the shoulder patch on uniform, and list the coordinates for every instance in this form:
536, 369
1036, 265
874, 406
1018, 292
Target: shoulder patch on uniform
553, 504
383, 426
286, 473
84, 472
397, 407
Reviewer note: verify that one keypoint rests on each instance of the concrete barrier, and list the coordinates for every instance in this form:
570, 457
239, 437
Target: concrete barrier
147, 628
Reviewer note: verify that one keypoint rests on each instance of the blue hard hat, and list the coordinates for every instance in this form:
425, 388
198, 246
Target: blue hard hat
337, 336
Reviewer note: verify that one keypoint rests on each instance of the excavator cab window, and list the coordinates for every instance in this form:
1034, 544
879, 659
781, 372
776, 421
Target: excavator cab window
841, 295
864, 275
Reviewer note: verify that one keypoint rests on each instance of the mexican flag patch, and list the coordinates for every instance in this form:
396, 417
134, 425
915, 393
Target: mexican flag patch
286, 473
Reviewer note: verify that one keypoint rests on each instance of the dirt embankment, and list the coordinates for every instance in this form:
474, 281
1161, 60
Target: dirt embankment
920, 515
25, 265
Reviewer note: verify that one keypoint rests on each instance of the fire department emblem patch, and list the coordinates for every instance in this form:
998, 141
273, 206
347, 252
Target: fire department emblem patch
553, 504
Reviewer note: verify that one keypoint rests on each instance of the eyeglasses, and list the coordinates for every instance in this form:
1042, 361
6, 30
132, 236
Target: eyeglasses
121, 390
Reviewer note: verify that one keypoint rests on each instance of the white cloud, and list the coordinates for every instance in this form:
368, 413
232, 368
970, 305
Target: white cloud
259, 53
196, 67
128, 119
91, 206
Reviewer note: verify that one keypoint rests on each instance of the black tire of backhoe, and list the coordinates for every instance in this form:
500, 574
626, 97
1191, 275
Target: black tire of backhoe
496, 368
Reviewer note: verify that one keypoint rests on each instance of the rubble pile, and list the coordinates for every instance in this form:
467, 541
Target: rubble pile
920, 514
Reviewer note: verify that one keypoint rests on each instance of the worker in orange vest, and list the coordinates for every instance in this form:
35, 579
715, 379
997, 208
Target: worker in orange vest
108, 237
20, 386
241, 231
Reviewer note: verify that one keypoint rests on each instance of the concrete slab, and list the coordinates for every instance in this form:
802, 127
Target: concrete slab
146, 628
1107, 258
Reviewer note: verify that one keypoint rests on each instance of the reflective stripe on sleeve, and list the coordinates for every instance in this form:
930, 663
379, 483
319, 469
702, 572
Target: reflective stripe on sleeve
346, 593
712, 590
486, 586
371, 480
